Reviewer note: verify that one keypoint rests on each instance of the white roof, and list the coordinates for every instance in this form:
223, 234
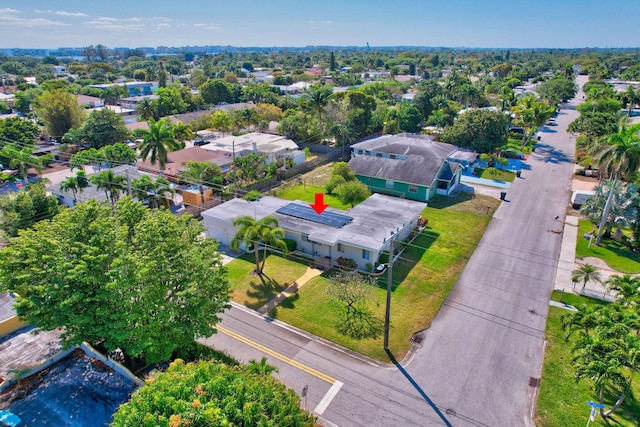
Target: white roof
264, 142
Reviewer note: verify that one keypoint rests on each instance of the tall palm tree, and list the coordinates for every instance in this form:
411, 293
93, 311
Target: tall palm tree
157, 142
253, 232
249, 116
23, 159
619, 155
111, 183
587, 273
319, 97
202, 174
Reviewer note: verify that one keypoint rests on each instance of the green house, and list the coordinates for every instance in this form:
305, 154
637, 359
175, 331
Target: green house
410, 166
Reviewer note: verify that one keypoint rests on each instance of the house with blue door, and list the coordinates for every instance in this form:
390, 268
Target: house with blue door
410, 166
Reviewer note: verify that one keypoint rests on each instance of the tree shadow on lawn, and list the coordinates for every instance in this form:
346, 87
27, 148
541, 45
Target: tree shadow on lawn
263, 290
442, 202
411, 256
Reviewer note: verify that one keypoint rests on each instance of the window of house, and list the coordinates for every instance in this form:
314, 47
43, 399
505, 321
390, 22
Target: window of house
413, 188
378, 154
305, 237
366, 254
370, 178
392, 156
389, 183
340, 247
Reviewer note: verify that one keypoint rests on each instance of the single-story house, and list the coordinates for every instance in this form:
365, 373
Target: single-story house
410, 166
132, 102
177, 159
361, 234
272, 147
133, 88
90, 101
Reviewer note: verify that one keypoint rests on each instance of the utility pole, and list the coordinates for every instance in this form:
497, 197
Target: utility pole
387, 314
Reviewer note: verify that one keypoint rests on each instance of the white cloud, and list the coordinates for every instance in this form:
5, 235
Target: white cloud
65, 13
8, 10
212, 27
11, 21
114, 24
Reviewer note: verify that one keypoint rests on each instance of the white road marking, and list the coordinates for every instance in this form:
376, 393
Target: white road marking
326, 400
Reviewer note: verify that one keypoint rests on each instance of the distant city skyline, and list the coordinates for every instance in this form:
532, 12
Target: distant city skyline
454, 23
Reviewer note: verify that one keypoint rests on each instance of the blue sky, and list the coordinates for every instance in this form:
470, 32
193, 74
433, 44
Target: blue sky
451, 23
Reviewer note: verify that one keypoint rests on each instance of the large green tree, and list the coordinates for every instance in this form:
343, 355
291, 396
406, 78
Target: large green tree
18, 130
26, 207
557, 89
126, 276
216, 91
59, 111
208, 393
22, 157
482, 131
156, 193
104, 127
352, 192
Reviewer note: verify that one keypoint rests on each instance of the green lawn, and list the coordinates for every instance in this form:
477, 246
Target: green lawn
500, 175
253, 291
514, 144
306, 193
422, 278
561, 401
614, 253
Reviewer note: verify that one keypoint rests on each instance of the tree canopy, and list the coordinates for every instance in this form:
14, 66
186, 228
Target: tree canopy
104, 127
59, 111
126, 276
208, 393
482, 131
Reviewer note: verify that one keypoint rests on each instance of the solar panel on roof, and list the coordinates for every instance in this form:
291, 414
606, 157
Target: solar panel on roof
332, 219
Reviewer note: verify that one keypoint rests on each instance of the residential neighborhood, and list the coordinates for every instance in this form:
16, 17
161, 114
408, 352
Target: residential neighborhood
334, 234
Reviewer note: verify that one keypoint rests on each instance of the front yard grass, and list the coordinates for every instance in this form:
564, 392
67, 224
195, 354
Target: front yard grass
422, 278
307, 193
496, 174
253, 291
561, 401
617, 255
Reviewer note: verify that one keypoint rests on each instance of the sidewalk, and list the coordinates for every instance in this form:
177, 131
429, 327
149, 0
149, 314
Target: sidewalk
308, 275
568, 263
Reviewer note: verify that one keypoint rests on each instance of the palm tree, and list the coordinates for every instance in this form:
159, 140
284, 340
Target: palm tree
146, 109
261, 367
23, 159
249, 116
182, 131
156, 194
318, 97
70, 184
201, 174
158, 141
111, 183
586, 273
253, 232
619, 155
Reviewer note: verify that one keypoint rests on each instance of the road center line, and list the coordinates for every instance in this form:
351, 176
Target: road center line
283, 358
326, 400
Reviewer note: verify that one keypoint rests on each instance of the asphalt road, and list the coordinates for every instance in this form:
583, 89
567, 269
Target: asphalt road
481, 359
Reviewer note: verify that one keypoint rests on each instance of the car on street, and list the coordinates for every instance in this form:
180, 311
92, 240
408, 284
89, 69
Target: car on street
551, 122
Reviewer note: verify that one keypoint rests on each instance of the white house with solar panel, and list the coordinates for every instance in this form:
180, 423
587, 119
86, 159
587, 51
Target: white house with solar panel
361, 233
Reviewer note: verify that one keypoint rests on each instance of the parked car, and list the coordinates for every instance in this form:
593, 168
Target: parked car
200, 142
551, 122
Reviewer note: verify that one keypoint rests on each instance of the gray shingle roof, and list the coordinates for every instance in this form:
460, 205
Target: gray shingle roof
424, 158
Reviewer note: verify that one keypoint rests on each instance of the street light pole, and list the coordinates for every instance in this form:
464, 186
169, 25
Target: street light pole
387, 313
